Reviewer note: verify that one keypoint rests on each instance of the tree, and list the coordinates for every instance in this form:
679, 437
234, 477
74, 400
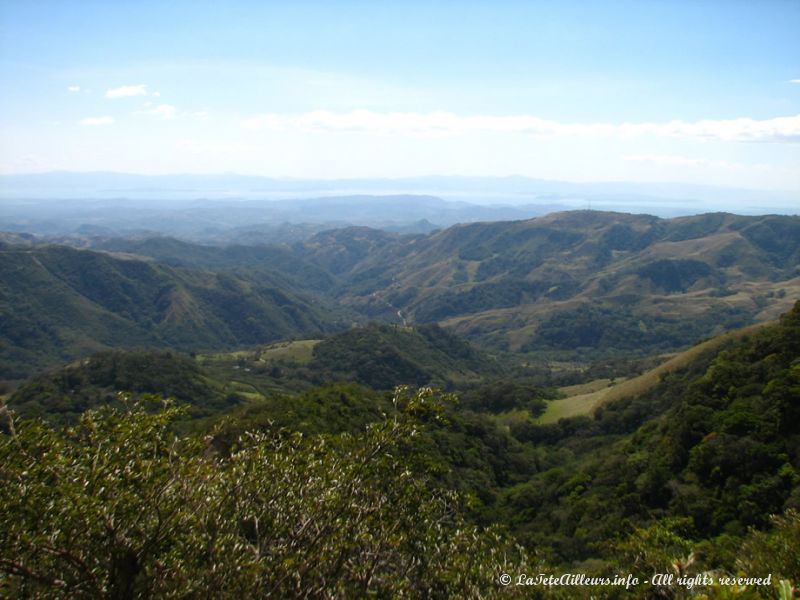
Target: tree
119, 507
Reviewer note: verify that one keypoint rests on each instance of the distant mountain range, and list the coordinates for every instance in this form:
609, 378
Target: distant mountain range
569, 284
251, 221
662, 199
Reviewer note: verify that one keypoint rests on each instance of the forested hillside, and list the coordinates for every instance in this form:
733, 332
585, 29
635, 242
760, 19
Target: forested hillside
715, 443
57, 304
688, 473
578, 285
575, 280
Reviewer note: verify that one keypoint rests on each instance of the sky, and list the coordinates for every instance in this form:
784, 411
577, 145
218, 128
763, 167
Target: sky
696, 92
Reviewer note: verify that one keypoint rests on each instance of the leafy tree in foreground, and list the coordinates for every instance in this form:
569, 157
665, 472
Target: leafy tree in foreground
119, 507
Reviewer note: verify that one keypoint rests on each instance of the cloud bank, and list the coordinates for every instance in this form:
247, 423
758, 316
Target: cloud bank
776, 130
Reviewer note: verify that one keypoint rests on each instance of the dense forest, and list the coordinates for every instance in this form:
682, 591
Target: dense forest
366, 413
699, 471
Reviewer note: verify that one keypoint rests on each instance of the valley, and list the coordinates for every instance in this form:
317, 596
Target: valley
593, 367
399, 300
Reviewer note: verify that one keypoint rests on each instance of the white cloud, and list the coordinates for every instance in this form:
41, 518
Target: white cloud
780, 129
74, 88
126, 91
794, 81
169, 111
97, 121
681, 161
164, 111
195, 147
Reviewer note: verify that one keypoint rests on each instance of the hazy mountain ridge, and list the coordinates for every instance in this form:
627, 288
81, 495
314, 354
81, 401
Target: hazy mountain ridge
257, 221
661, 198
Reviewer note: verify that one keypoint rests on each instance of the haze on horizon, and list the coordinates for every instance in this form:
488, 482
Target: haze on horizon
671, 92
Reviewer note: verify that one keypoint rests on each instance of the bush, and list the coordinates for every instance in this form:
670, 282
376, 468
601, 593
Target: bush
119, 507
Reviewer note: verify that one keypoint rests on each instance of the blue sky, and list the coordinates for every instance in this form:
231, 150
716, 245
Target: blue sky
701, 92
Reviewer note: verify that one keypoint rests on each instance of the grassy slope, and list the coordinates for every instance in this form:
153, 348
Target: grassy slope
583, 399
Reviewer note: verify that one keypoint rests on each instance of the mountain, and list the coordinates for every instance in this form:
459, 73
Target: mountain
573, 280
574, 285
266, 260
664, 199
58, 303
714, 443
379, 357
232, 221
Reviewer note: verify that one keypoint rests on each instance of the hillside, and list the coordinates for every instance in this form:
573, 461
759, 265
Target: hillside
58, 303
583, 399
101, 380
278, 263
383, 356
573, 286
378, 357
713, 441
577, 280
703, 448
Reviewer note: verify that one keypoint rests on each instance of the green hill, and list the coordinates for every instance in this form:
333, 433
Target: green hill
58, 303
714, 441
379, 357
98, 380
576, 280
575, 286
278, 263
383, 356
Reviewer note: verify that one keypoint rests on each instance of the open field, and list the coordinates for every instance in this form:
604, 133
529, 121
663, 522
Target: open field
300, 351
583, 399
578, 404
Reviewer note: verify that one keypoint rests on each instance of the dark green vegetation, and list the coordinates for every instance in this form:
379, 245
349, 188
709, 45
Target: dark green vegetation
569, 285
61, 396
118, 508
381, 357
694, 466
716, 442
57, 304
681, 479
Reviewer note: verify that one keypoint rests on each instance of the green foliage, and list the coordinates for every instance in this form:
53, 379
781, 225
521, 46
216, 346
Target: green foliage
117, 507
775, 551
57, 304
501, 395
384, 356
663, 547
618, 327
63, 395
675, 275
332, 408
716, 442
